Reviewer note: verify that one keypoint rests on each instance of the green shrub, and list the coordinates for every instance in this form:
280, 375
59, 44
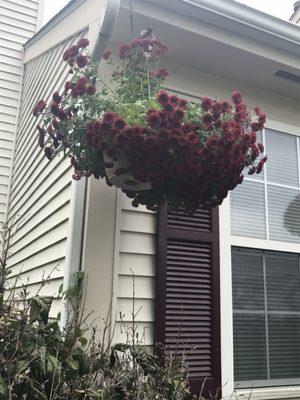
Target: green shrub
39, 361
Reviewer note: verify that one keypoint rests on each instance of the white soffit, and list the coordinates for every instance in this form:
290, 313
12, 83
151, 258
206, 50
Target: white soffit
240, 19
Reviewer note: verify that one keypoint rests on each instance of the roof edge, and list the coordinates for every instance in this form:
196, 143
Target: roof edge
55, 20
229, 15
238, 18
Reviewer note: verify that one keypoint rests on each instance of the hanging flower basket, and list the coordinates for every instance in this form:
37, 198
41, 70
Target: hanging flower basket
118, 175
152, 144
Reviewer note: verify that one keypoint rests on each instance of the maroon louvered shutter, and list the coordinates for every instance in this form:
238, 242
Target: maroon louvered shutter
187, 293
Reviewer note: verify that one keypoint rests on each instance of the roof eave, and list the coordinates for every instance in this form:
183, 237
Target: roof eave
239, 19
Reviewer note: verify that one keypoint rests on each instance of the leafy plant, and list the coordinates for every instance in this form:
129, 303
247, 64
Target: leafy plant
40, 361
164, 148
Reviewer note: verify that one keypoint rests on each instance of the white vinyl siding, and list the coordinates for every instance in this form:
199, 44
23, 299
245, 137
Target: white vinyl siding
137, 257
40, 189
18, 20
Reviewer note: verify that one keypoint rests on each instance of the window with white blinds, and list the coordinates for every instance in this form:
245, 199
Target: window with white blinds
266, 315
267, 206
266, 284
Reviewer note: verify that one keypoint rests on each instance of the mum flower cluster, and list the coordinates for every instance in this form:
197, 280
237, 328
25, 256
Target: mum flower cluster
189, 154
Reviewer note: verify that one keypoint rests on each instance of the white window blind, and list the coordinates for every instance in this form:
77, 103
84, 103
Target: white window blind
266, 306
267, 206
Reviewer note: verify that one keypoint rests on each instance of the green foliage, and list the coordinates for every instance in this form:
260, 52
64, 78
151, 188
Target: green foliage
39, 361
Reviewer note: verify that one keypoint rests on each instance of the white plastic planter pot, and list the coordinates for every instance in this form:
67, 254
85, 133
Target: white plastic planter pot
123, 181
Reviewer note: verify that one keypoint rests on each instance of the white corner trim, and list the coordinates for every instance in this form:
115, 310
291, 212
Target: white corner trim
75, 238
40, 15
115, 273
227, 377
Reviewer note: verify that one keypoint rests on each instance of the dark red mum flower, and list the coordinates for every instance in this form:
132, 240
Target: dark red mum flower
162, 97
40, 106
226, 106
73, 51
262, 118
182, 103
119, 123
261, 164
236, 97
153, 120
55, 123
206, 103
66, 55
255, 126
82, 81
82, 43
81, 88
56, 97
207, 119
260, 147
109, 117
253, 137
62, 115
68, 86
257, 110
54, 108
179, 113
74, 92
41, 140
48, 152
252, 171
218, 124
91, 90
169, 107
213, 142
217, 108
121, 139
82, 60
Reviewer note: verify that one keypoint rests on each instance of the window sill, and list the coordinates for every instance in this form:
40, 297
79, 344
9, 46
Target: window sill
284, 392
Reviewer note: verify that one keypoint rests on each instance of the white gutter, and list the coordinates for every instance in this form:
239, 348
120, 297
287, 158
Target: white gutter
78, 189
240, 19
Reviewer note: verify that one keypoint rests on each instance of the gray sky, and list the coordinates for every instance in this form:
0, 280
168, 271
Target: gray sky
280, 8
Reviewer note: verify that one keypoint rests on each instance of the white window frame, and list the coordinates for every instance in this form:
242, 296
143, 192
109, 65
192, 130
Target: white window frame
226, 242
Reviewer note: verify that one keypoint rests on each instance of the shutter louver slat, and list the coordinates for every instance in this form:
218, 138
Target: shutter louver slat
200, 221
187, 293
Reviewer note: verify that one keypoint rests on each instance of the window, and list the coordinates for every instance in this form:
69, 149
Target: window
266, 315
266, 283
267, 206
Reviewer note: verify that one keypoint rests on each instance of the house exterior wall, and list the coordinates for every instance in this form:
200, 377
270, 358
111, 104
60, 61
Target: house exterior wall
119, 243
18, 22
135, 252
40, 190
138, 225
